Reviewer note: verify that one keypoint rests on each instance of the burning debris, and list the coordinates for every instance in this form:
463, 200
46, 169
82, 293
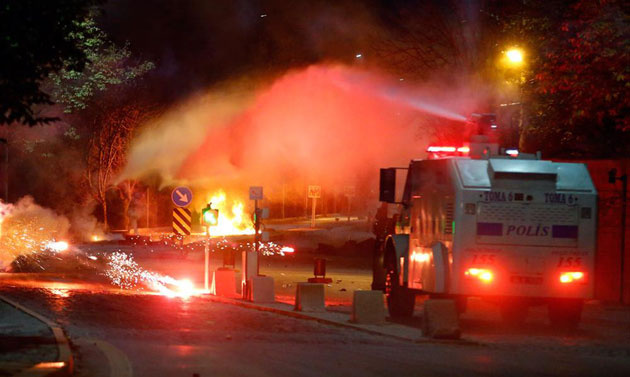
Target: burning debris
124, 272
266, 248
232, 218
28, 231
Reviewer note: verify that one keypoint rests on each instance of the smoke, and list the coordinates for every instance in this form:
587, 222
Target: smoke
329, 125
84, 226
27, 229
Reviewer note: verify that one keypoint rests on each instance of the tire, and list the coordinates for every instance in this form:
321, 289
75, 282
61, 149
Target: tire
513, 312
566, 313
400, 300
378, 271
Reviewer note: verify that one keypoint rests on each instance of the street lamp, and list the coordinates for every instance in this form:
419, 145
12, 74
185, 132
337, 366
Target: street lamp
514, 56
514, 60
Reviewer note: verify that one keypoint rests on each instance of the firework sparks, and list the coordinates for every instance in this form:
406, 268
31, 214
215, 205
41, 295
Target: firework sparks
28, 231
124, 272
266, 248
57, 246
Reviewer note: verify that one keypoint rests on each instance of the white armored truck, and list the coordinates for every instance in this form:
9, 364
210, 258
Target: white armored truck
513, 229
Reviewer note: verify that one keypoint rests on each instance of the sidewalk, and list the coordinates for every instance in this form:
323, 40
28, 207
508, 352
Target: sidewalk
338, 316
29, 344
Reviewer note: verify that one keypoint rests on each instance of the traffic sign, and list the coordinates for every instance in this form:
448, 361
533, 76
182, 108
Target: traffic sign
182, 221
255, 193
182, 196
314, 191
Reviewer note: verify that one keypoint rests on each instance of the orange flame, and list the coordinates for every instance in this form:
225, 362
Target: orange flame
232, 217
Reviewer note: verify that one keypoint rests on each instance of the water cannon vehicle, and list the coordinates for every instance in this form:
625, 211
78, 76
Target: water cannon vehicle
478, 220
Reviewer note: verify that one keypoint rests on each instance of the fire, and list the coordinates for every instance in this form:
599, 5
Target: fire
232, 217
29, 230
57, 246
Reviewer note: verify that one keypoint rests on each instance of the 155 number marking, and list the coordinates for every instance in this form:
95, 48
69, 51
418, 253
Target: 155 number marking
483, 258
570, 262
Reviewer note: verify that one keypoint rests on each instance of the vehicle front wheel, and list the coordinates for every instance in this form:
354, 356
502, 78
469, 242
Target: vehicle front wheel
400, 300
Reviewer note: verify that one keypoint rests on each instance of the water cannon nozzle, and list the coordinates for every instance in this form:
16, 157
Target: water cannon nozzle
485, 123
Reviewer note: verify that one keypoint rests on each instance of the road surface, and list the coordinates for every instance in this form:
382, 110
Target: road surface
122, 333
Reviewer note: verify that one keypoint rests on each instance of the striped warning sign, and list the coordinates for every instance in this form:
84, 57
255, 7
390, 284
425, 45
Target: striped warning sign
182, 221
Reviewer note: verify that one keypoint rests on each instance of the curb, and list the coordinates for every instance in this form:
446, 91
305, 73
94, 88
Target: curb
349, 325
64, 362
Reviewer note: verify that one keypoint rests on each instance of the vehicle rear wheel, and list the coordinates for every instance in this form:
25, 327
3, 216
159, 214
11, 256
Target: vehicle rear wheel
565, 313
400, 300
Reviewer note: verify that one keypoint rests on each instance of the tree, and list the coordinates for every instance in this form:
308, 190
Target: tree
108, 65
106, 152
575, 95
35, 41
97, 101
429, 38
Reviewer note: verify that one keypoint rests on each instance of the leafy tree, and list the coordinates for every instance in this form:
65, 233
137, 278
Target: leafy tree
99, 108
575, 93
35, 40
107, 65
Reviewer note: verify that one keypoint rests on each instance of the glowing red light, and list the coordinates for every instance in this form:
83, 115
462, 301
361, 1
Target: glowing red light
439, 149
571, 277
447, 149
482, 274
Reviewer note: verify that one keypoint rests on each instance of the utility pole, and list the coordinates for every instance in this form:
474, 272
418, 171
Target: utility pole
147, 207
612, 178
283, 197
6, 169
257, 236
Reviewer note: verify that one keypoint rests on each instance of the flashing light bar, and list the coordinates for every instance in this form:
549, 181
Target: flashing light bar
447, 149
512, 152
484, 275
572, 277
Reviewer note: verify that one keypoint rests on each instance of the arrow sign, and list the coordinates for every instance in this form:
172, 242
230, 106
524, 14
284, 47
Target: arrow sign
181, 196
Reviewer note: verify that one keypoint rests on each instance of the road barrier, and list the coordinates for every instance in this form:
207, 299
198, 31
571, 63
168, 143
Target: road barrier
261, 289
310, 297
368, 307
224, 282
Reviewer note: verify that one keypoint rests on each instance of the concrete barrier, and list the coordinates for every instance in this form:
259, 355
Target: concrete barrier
224, 282
440, 319
368, 307
261, 289
310, 297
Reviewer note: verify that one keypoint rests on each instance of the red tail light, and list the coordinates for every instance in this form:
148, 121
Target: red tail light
572, 277
484, 275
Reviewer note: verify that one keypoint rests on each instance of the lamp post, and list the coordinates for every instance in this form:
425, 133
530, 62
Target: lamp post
514, 59
612, 178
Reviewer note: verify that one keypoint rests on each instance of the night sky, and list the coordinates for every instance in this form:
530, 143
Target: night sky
196, 43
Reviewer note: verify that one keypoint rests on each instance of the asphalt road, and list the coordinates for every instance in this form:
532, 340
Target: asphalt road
151, 335
122, 333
